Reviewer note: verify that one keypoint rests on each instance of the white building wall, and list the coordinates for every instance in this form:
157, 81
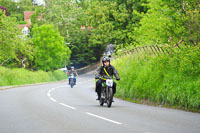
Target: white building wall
39, 2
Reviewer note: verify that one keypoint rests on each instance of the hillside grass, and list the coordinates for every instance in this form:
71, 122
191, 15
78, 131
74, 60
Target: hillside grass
170, 80
20, 76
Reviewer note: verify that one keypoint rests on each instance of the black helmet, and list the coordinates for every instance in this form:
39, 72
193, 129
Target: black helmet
105, 58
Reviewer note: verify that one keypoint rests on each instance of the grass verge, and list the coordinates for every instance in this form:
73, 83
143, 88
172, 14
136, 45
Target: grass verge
20, 76
170, 80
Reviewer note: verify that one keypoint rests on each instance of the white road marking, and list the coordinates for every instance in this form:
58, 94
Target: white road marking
103, 118
67, 106
52, 99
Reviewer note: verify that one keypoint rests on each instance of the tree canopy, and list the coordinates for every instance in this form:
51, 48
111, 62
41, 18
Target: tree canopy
50, 51
14, 47
87, 27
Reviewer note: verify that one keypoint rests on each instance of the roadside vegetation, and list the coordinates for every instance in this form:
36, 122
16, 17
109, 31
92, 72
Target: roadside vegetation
76, 32
172, 80
21, 76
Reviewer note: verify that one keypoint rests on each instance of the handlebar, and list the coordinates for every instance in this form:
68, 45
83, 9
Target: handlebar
105, 77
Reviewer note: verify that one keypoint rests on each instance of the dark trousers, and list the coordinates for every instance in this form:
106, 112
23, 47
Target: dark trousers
99, 85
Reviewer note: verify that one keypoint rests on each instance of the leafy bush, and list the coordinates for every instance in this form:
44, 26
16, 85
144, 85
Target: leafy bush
172, 79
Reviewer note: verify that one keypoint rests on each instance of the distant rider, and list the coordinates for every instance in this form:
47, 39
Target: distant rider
101, 72
73, 71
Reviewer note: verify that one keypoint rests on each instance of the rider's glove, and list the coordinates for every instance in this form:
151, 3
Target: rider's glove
117, 79
96, 77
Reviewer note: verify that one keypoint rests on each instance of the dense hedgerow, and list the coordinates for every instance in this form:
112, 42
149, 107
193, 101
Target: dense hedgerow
172, 79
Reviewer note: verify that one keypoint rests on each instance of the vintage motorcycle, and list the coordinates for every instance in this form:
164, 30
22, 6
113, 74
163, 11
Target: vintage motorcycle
72, 80
106, 91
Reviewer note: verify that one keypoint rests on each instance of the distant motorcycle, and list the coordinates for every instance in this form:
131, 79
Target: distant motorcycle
106, 91
72, 81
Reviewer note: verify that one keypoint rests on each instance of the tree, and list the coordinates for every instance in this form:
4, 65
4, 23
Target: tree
187, 13
68, 16
114, 22
14, 47
169, 22
50, 51
16, 9
108, 22
155, 24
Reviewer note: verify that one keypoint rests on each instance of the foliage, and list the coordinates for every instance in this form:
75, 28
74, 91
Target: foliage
113, 23
68, 17
19, 76
4, 10
16, 9
50, 51
167, 79
169, 22
13, 46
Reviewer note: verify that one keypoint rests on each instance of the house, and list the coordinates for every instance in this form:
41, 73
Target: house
84, 28
27, 18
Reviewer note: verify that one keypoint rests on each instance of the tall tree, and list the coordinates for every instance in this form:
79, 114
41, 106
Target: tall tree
50, 51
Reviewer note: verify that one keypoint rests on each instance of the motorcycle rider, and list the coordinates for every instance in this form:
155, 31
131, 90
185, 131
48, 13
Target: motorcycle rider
109, 70
73, 71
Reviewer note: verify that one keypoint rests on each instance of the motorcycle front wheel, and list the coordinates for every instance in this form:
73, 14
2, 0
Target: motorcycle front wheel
109, 97
102, 99
72, 84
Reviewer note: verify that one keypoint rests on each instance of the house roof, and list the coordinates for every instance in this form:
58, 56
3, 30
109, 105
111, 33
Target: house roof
27, 14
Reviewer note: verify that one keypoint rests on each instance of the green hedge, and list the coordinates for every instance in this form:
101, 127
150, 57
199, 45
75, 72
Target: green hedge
172, 80
19, 76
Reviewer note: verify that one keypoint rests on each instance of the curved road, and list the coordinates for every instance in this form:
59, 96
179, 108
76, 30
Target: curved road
57, 108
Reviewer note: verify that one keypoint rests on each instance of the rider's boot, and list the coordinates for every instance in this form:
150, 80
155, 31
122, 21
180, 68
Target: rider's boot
99, 95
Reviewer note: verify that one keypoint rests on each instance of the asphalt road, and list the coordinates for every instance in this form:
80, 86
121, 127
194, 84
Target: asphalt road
57, 108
